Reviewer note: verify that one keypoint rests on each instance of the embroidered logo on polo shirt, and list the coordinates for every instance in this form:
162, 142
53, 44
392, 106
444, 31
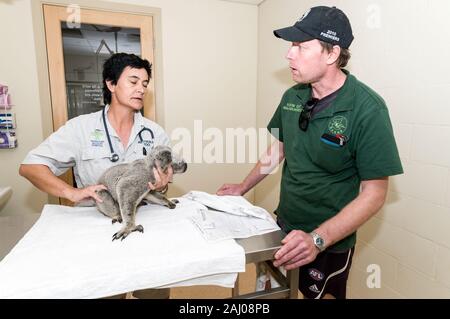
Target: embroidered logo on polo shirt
338, 124
147, 143
97, 138
293, 107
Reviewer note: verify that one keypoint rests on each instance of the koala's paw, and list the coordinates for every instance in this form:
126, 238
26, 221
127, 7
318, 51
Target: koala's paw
171, 205
124, 232
117, 220
176, 201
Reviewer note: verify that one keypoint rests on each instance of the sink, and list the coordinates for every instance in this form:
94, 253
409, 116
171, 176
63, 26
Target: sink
5, 195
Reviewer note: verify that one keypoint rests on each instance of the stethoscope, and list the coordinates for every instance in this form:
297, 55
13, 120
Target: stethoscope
114, 156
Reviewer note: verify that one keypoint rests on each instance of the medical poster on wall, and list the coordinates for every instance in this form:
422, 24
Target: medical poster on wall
7, 120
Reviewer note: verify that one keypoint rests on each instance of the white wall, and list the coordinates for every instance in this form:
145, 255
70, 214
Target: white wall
18, 70
401, 52
209, 71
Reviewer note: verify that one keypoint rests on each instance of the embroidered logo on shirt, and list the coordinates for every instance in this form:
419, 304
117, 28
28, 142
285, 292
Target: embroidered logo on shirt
97, 138
293, 107
338, 124
147, 143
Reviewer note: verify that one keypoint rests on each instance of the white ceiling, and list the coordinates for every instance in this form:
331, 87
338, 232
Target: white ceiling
255, 2
88, 40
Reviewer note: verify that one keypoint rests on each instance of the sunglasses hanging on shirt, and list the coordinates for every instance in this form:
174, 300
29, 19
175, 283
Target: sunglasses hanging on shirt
305, 115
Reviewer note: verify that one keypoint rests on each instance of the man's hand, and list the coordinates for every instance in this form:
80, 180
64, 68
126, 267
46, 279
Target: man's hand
161, 179
78, 194
298, 249
231, 189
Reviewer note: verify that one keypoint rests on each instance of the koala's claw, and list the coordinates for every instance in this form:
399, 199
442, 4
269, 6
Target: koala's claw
118, 235
139, 228
176, 201
124, 232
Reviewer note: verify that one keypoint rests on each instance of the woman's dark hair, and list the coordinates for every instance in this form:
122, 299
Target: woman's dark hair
114, 66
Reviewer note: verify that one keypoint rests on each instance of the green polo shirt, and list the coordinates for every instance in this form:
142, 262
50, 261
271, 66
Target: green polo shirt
319, 179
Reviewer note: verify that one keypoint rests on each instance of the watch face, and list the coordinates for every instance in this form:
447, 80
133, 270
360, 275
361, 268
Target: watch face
319, 241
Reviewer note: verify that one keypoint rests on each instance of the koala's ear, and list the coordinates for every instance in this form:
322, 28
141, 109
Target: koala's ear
165, 159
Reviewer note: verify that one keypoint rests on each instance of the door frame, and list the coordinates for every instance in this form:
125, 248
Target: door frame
43, 67
54, 16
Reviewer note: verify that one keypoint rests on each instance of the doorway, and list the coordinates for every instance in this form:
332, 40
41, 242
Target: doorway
78, 41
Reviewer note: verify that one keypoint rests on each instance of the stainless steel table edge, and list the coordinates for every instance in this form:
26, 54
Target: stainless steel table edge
262, 248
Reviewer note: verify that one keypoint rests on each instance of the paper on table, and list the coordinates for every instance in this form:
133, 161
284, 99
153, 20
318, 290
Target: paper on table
216, 225
233, 217
236, 205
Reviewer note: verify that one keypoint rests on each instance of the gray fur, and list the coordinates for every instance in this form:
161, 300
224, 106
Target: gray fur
128, 185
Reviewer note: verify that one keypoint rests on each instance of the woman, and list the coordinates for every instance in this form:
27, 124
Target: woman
94, 142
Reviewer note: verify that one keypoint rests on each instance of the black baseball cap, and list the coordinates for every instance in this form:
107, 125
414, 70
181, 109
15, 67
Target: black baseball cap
328, 24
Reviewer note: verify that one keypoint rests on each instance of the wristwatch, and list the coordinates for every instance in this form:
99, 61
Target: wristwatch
318, 241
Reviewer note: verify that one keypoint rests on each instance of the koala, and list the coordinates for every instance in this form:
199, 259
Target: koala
127, 187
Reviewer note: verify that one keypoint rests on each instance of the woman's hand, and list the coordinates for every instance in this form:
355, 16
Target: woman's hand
78, 194
161, 179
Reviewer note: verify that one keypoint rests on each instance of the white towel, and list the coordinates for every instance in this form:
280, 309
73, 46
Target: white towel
68, 253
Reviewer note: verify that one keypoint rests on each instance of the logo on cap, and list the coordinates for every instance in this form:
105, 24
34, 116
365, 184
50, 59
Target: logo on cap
332, 35
304, 15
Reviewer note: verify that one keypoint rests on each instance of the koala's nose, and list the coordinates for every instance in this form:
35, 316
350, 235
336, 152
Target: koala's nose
184, 167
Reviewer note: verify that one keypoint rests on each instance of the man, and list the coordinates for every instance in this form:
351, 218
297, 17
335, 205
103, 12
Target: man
337, 141
91, 143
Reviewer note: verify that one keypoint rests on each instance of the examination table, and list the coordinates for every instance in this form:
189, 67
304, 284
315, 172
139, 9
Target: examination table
259, 248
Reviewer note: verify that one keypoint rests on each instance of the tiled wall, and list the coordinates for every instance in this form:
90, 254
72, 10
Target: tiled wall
410, 237
400, 50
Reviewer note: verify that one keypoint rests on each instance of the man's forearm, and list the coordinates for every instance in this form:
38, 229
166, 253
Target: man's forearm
356, 213
267, 163
44, 179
